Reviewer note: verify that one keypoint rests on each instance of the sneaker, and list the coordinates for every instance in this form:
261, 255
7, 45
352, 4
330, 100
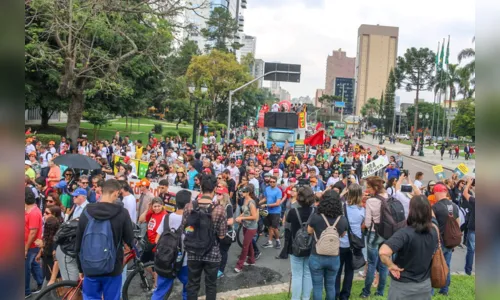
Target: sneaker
268, 245
37, 290
278, 245
237, 270
363, 296
257, 256
220, 275
248, 264
27, 296
362, 273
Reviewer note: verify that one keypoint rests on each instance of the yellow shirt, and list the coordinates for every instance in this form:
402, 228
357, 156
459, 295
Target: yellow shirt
138, 152
289, 160
30, 173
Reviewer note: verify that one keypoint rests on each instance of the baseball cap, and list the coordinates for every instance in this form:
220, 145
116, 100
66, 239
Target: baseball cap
251, 172
126, 159
61, 184
313, 179
222, 190
27, 162
207, 170
312, 158
52, 143
440, 188
144, 182
293, 179
79, 192
180, 158
276, 170
298, 171
239, 162
267, 175
220, 157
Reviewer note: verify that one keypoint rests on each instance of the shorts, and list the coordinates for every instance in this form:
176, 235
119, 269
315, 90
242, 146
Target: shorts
147, 256
273, 220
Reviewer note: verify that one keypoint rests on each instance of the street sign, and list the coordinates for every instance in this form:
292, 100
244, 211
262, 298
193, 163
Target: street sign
285, 72
339, 104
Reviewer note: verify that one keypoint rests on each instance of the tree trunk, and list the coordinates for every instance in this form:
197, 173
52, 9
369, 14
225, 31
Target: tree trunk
178, 122
126, 122
44, 114
95, 132
75, 116
415, 117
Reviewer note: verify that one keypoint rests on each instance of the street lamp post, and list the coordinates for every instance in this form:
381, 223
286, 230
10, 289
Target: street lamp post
203, 90
421, 143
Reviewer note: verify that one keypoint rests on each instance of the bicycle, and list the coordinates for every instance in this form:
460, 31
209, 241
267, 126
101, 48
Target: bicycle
261, 229
62, 290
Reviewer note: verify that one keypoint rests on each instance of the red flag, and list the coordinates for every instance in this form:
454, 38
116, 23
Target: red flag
318, 126
316, 139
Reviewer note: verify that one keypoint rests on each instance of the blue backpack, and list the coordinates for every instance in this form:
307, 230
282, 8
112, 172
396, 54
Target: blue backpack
98, 251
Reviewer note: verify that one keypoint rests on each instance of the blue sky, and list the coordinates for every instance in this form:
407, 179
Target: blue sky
306, 31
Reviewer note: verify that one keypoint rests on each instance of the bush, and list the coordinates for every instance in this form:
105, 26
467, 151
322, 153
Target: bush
158, 128
184, 122
171, 133
184, 134
46, 138
212, 126
221, 126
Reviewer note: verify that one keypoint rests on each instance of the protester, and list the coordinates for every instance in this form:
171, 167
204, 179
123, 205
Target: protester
248, 219
225, 243
32, 232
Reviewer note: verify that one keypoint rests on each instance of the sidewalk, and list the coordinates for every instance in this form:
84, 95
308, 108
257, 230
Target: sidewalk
429, 157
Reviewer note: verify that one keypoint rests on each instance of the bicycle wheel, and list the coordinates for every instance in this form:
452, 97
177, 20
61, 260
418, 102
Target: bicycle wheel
239, 236
140, 283
62, 290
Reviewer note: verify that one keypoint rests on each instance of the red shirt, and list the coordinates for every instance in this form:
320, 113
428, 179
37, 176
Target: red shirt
33, 220
154, 221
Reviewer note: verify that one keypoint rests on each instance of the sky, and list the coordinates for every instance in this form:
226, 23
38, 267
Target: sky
305, 32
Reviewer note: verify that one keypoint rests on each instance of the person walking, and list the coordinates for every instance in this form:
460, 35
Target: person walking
414, 247
355, 215
249, 219
296, 217
225, 243
32, 232
470, 204
324, 267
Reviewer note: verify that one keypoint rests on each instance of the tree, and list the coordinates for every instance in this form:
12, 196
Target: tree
466, 54
381, 106
179, 110
221, 73
390, 90
221, 27
329, 100
88, 42
464, 123
464, 83
425, 108
183, 58
370, 108
97, 116
415, 70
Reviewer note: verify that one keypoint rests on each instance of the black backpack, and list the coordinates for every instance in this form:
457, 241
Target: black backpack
392, 217
302, 241
199, 232
65, 237
169, 251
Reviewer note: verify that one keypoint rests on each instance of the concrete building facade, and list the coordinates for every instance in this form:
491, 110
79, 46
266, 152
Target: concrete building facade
258, 70
249, 45
338, 65
318, 94
376, 56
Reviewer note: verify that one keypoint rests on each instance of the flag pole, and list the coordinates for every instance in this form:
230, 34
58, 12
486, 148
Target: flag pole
435, 94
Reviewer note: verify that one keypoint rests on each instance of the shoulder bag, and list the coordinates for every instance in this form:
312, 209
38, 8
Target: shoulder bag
439, 268
355, 245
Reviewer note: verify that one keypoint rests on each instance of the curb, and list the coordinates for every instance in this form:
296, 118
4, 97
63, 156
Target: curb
405, 155
273, 289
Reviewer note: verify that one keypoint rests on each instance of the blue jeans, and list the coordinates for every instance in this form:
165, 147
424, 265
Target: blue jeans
375, 264
323, 270
164, 284
95, 288
301, 278
32, 267
471, 248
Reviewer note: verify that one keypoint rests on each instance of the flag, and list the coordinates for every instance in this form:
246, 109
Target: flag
441, 57
447, 52
316, 139
318, 126
437, 58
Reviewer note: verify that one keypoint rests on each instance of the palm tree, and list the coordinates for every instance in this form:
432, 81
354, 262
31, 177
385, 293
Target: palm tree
469, 53
446, 79
370, 108
464, 84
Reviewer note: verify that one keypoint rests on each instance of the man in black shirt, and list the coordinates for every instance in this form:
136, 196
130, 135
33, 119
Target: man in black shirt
198, 165
231, 185
442, 209
470, 203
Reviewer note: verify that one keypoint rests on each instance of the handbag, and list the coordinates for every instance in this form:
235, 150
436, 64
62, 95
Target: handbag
439, 268
356, 244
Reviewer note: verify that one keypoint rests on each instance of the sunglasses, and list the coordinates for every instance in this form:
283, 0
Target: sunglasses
160, 170
68, 174
84, 182
272, 181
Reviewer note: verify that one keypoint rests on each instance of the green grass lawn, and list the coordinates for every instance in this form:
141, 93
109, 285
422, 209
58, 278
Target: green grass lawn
462, 287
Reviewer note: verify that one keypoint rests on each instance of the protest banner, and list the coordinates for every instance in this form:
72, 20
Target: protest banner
374, 166
461, 170
439, 172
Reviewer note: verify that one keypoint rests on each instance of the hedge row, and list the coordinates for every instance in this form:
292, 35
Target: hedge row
46, 138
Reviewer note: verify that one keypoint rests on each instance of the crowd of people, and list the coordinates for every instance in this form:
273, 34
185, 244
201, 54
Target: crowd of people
332, 215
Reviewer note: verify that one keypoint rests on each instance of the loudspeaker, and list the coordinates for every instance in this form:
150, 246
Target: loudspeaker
281, 120
270, 119
292, 121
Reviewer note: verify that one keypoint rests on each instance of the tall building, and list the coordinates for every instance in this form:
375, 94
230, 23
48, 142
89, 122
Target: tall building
258, 70
319, 93
338, 65
284, 95
194, 21
344, 87
249, 44
397, 103
376, 55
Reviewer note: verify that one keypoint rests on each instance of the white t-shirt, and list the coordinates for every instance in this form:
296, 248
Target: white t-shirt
175, 221
213, 140
417, 183
255, 183
235, 173
130, 205
205, 140
332, 181
275, 107
46, 156
30, 148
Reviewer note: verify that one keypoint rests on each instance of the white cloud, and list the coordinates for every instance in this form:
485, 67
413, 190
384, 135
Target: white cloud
306, 31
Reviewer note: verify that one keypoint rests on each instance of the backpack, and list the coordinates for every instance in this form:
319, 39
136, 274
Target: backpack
98, 251
65, 237
452, 235
329, 241
302, 241
169, 251
199, 232
392, 217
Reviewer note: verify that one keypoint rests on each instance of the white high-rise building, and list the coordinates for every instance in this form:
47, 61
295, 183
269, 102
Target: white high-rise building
258, 70
249, 44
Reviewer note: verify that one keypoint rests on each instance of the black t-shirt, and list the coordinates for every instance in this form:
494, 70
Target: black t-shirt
471, 206
317, 222
305, 213
413, 253
229, 214
441, 210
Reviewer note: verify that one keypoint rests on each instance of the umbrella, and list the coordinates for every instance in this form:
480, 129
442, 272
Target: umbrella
77, 161
250, 142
